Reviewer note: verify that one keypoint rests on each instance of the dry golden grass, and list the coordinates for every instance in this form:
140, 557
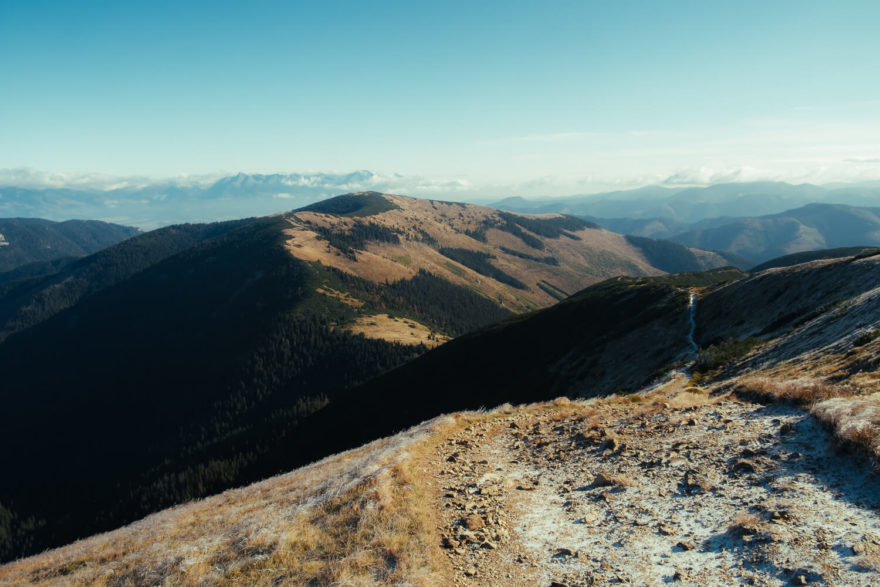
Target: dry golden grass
803, 392
402, 330
358, 518
854, 420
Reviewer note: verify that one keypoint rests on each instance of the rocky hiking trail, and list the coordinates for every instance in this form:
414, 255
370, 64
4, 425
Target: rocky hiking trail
673, 486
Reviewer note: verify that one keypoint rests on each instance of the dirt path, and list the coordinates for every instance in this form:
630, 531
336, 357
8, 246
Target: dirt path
674, 487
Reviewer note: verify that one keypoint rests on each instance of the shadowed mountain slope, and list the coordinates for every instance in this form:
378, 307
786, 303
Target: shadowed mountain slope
807, 256
36, 292
32, 240
614, 336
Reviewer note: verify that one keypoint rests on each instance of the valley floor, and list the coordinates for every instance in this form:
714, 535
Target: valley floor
670, 487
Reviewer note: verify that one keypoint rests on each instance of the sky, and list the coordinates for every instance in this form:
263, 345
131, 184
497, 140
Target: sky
533, 98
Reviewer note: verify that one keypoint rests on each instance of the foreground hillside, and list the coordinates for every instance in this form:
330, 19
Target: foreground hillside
755, 467
675, 484
186, 360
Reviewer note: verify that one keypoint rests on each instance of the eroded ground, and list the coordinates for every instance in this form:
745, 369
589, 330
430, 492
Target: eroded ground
672, 487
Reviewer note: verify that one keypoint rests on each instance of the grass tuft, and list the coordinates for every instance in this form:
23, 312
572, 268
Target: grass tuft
855, 421
805, 393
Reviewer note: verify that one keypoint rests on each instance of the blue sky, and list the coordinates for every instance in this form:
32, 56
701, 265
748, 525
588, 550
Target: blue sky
536, 98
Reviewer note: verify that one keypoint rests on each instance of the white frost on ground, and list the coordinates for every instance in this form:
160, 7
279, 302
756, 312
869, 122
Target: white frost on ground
731, 493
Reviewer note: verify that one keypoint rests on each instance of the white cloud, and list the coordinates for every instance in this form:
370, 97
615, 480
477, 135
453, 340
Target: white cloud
709, 175
26, 177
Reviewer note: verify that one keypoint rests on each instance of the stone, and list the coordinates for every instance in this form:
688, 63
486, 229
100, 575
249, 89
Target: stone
603, 480
474, 522
743, 466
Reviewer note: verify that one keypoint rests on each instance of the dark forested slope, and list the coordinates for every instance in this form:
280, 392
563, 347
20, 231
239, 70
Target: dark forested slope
614, 336
37, 291
31, 240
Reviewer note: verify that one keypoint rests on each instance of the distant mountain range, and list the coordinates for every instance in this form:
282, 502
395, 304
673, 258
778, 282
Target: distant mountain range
758, 239
774, 219
180, 361
150, 205
812, 227
674, 207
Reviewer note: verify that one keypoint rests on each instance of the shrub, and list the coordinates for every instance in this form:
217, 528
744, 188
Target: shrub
717, 356
866, 337
800, 392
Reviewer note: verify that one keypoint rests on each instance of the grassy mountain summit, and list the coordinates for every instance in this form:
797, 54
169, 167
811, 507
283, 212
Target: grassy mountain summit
525, 262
